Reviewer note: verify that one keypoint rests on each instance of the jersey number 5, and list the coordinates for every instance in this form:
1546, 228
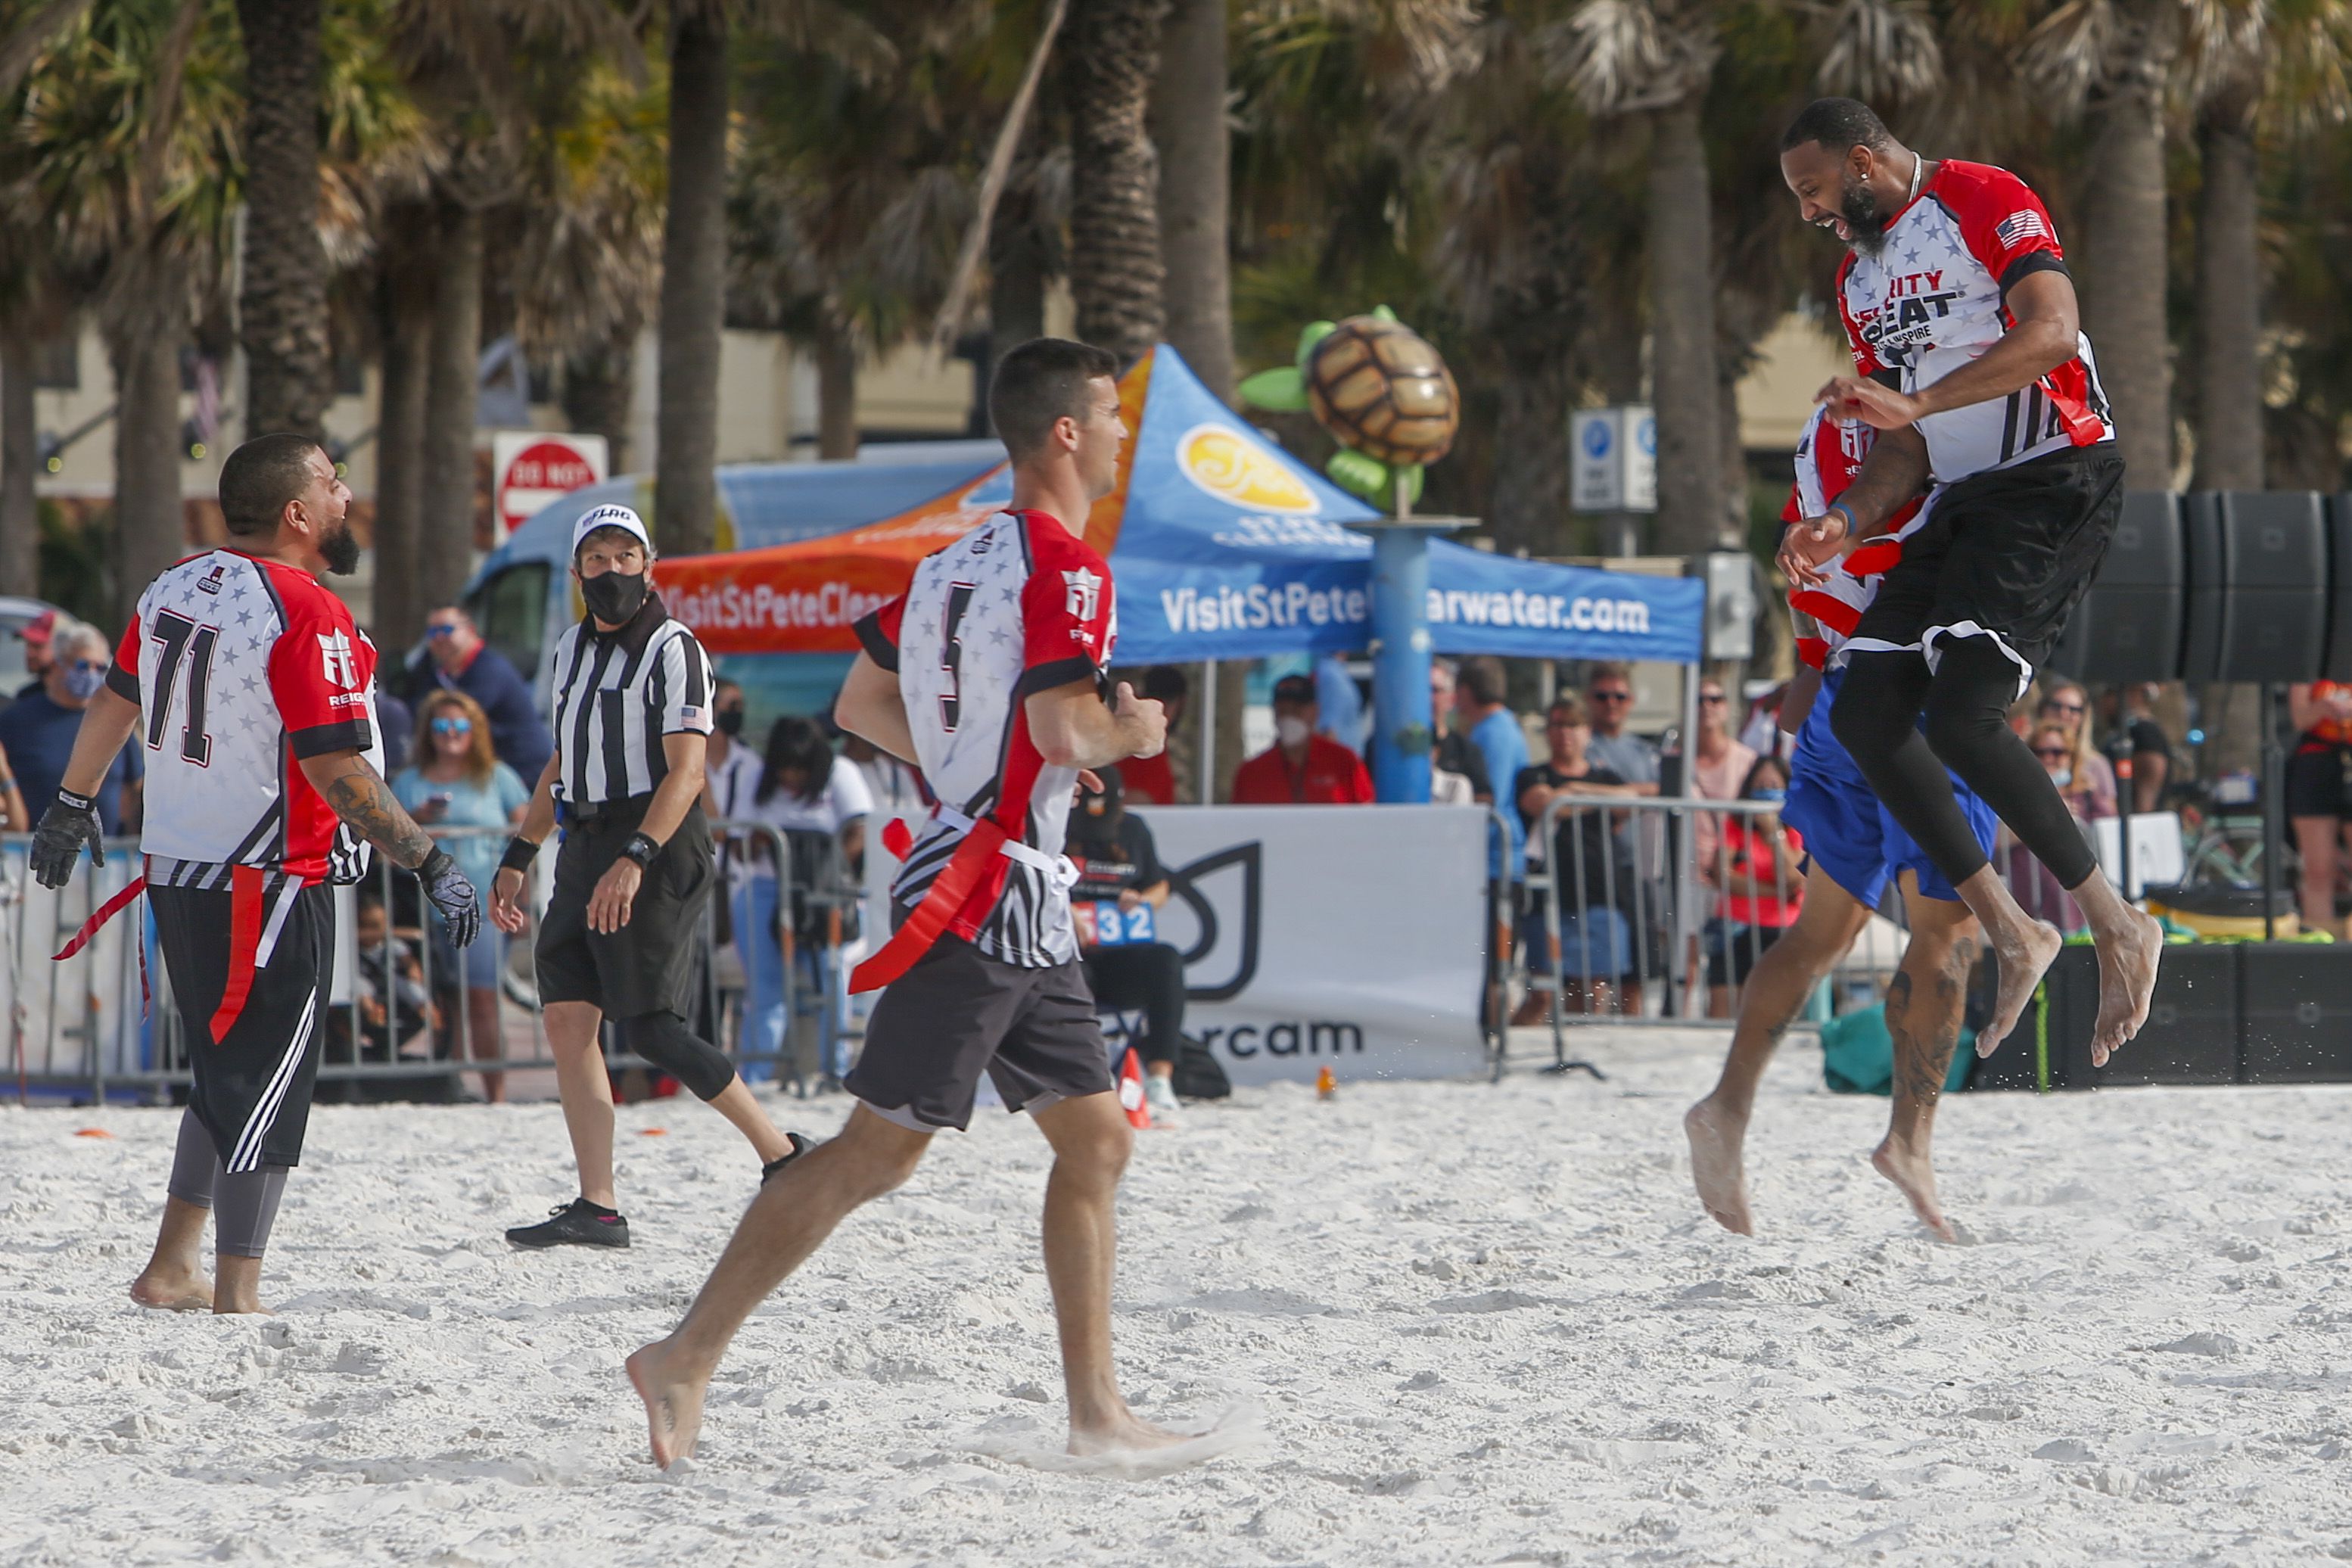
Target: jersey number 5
951, 656
183, 638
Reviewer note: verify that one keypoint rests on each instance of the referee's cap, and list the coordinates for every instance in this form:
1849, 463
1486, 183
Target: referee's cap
611, 515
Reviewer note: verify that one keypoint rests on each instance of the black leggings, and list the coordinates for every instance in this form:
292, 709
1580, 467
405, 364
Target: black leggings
1967, 705
663, 1040
244, 1203
1150, 975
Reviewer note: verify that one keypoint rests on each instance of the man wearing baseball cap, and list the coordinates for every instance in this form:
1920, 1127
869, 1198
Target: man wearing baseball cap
633, 712
37, 632
1302, 768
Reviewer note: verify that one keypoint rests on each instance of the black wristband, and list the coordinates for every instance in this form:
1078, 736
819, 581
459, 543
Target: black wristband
73, 801
432, 865
641, 848
521, 853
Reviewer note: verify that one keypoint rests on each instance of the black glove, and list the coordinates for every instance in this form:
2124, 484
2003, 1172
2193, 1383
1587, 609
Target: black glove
70, 822
453, 895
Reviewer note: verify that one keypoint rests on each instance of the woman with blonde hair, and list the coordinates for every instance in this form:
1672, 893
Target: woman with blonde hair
2088, 785
455, 780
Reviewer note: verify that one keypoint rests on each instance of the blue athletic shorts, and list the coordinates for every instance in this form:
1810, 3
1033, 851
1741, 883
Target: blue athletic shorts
1846, 830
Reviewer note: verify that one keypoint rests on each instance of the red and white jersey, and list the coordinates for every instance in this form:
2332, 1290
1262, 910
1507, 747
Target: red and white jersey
1933, 301
241, 669
1829, 455
1018, 605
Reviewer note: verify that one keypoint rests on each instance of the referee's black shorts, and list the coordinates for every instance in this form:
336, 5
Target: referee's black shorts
649, 964
249, 966
2008, 552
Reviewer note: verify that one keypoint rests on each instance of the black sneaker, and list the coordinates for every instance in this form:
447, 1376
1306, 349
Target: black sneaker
575, 1224
800, 1147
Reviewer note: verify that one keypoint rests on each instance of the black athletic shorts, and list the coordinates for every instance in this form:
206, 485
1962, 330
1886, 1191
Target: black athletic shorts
2316, 782
2008, 552
249, 966
649, 964
959, 1013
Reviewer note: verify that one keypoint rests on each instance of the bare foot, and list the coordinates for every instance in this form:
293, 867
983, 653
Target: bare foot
1914, 1177
1124, 1434
1716, 1139
672, 1403
173, 1289
241, 1309
2021, 955
2127, 961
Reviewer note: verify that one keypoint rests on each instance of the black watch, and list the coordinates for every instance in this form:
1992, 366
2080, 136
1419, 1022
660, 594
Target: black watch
641, 848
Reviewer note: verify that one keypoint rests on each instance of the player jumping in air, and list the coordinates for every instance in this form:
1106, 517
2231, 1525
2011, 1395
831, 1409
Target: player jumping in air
987, 675
1854, 845
1971, 363
254, 698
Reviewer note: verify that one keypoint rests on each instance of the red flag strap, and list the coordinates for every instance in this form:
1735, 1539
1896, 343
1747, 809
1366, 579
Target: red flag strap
945, 898
106, 912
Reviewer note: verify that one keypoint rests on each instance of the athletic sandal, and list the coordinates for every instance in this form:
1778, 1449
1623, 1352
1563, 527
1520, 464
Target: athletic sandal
1160, 1099
800, 1147
576, 1223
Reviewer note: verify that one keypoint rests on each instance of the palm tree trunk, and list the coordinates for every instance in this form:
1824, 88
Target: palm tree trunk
1684, 383
150, 527
1112, 53
2229, 308
836, 388
1189, 128
1531, 469
2122, 265
411, 272
600, 389
282, 310
445, 535
20, 517
694, 284
1016, 281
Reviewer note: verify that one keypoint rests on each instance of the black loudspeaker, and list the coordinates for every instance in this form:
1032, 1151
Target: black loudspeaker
2129, 626
2297, 1011
2339, 603
2258, 586
2192, 1035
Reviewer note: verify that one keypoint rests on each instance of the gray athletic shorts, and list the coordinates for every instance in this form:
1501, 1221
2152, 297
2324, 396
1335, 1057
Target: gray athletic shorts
959, 1013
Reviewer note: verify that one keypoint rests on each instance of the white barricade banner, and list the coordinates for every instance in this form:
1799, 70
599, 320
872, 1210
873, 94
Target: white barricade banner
1344, 936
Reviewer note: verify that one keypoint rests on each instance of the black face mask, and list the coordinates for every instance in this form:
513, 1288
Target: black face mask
340, 551
614, 597
730, 721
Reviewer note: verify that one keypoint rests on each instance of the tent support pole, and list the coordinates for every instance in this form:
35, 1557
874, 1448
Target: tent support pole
1209, 732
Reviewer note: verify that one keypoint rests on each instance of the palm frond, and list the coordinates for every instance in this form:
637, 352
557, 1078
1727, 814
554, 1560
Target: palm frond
1879, 51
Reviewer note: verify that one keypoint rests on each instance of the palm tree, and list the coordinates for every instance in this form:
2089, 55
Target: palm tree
282, 306
694, 279
1110, 53
2258, 74
1189, 128
2110, 63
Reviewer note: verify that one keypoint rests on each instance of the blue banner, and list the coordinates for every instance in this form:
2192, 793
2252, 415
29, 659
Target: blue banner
1481, 603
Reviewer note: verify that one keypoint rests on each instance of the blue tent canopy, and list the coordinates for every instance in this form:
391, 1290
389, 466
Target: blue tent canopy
1231, 548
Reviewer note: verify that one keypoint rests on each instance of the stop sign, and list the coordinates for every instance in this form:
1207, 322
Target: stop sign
532, 468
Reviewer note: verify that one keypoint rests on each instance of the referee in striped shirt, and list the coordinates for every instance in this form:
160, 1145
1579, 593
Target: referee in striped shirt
631, 716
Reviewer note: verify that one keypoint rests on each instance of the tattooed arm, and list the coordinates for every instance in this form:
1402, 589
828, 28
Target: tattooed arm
355, 791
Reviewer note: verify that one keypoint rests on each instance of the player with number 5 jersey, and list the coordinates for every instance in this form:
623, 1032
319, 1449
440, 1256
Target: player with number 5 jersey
253, 696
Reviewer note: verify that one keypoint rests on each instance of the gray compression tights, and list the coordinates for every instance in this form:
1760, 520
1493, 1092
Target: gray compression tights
244, 1204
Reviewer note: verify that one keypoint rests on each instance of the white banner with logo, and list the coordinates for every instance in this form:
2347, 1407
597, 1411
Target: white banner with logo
1345, 936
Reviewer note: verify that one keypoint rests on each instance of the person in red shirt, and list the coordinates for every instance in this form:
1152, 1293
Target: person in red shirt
1301, 768
1147, 780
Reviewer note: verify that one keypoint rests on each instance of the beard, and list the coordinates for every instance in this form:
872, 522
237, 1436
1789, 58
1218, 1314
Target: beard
1858, 205
340, 547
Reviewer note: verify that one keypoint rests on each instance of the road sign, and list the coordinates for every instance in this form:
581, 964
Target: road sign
1613, 459
531, 468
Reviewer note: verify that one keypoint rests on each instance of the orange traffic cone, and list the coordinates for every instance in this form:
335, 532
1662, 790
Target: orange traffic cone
1130, 1089
1326, 1082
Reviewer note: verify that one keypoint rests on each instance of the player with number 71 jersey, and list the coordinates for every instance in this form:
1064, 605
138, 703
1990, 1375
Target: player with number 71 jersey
1017, 605
242, 668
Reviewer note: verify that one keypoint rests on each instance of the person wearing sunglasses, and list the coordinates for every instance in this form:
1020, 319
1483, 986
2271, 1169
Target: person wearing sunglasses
2090, 785
38, 730
454, 781
1609, 696
456, 659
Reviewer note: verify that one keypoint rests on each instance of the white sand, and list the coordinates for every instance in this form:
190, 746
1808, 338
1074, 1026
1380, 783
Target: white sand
1485, 1325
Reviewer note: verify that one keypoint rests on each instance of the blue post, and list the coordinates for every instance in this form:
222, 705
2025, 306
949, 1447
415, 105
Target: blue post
1401, 717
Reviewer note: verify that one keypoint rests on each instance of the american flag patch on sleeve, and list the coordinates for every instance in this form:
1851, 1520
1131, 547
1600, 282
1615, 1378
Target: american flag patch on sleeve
2020, 227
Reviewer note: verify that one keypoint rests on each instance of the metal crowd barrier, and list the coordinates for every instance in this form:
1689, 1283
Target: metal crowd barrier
103, 1021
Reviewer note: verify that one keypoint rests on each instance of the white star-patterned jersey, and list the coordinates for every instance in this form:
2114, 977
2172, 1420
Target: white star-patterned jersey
1017, 605
1935, 299
1829, 455
242, 668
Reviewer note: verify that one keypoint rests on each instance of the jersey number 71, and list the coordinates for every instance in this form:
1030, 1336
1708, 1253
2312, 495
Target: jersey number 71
181, 638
